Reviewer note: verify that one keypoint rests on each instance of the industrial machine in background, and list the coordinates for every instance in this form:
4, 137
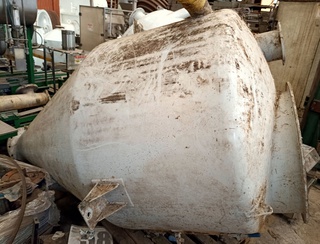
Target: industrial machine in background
259, 17
16, 20
98, 25
23, 88
16, 30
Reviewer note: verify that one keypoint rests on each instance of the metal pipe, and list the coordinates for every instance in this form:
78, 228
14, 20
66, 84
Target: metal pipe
136, 15
21, 101
271, 44
134, 5
53, 71
30, 61
24, 24
5, 7
15, 25
3, 45
45, 64
196, 7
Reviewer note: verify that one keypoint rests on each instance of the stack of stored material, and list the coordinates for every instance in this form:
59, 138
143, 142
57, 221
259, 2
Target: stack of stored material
39, 210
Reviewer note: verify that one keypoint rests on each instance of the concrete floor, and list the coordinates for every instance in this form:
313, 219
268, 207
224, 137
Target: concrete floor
279, 230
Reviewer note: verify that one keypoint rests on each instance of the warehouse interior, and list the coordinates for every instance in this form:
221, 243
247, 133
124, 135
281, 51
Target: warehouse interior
159, 121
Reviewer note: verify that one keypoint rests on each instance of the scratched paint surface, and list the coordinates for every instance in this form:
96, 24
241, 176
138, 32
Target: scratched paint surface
183, 115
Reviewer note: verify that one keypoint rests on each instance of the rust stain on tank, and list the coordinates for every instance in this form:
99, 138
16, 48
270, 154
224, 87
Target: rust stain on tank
245, 89
202, 81
113, 98
89, 86
237, 64
75, 105
243, 49
193, 65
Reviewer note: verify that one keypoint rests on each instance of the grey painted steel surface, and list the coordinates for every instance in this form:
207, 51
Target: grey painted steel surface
183, 119
30, 7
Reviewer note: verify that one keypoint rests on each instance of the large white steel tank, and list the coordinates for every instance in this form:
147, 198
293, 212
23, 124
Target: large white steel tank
186, 120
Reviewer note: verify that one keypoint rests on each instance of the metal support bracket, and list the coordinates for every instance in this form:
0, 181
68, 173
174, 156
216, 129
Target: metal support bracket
315, 106
35, 231
95, 207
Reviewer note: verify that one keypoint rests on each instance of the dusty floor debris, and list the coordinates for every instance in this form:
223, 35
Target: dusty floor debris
279, 230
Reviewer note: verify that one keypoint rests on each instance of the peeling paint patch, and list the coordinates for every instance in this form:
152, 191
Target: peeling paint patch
113, 98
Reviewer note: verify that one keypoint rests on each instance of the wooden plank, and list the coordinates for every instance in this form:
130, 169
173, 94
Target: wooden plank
314, 174
47, 239
205, 239
119, 235
160, 240
301, 33
139, 237
187, 240
30, 111
229, 240
6, 129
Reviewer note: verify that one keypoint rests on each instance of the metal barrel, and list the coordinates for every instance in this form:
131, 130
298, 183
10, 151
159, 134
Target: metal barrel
68, 40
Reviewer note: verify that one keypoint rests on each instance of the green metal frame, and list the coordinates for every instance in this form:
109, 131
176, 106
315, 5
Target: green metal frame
42, 79
311, 130
30, 61
8, 135
17, 80
13, 118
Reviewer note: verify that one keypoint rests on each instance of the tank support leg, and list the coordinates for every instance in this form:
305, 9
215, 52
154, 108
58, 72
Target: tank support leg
95, 207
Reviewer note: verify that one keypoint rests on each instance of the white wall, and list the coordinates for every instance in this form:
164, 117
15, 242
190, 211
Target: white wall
72, 7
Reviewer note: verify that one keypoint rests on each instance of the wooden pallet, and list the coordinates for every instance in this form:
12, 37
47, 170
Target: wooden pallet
125, 236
